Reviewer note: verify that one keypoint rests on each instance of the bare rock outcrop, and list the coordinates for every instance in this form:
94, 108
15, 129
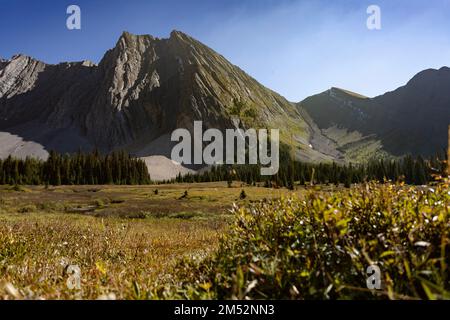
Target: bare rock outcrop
142, 90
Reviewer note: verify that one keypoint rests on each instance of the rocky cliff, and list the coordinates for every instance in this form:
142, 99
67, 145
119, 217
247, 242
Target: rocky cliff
142, 90
146, 87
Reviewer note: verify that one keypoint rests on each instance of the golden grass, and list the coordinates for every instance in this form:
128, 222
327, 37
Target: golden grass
120, 256
125, 244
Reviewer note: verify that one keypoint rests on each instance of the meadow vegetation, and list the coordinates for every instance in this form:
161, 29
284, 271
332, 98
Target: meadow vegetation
125, 239
187, 241
319, 246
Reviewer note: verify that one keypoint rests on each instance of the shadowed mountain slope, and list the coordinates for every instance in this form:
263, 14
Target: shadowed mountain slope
410, 120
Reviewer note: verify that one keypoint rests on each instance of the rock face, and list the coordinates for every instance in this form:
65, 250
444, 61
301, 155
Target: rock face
146, 87
142, 89
410, 120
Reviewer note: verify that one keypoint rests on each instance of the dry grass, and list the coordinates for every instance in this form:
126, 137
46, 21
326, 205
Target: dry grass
126, 244
204, 199
131, 242
120, 256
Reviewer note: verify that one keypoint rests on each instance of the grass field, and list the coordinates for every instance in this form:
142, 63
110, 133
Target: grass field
188, 241
125, 239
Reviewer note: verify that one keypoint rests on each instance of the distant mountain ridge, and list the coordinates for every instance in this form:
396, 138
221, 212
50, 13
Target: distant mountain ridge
412, 119
146, 87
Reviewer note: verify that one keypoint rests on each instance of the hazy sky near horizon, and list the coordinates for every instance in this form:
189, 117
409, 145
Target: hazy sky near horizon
295, 47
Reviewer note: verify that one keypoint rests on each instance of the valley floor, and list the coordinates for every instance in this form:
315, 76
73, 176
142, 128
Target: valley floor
166, 241
124, 239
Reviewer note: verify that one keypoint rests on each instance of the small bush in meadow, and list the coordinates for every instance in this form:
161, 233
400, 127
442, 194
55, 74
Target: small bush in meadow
184, 195
27, 209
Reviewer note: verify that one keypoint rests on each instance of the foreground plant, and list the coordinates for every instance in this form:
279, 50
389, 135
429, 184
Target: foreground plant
320, 246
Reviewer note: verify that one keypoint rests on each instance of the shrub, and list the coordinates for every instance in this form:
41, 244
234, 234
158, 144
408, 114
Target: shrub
100, 203
27, 209
184, 196
319, 247
18, 188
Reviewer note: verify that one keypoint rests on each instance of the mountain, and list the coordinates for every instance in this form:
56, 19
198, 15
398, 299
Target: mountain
410, 120
146, 87
142, 90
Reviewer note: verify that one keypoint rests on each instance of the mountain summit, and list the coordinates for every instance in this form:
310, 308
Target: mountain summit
410, 120
146, 87
142, 90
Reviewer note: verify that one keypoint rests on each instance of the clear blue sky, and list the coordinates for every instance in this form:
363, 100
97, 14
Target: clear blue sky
296, 48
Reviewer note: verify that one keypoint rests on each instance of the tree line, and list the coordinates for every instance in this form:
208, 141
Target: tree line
75, 169
122, 169
417, 171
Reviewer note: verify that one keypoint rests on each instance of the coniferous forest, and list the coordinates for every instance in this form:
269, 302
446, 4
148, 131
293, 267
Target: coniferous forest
410, 170
122, 169
75, 169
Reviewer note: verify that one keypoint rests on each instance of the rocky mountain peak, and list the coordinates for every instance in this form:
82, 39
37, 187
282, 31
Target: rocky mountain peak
3, 63
88, 63
176, 33
146, 87
430, 77
181, 36
344, 92
129, 40
143, 89
18, 56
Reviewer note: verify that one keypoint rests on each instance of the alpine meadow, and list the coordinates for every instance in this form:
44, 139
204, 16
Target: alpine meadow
160, 170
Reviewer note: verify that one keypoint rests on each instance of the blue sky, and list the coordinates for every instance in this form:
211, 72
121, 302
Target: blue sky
296, 48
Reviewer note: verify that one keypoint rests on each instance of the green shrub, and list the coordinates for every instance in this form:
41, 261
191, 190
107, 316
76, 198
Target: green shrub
49, 206
184, 196
100, 203
319, 247
18, 188
27, 209
117, 201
